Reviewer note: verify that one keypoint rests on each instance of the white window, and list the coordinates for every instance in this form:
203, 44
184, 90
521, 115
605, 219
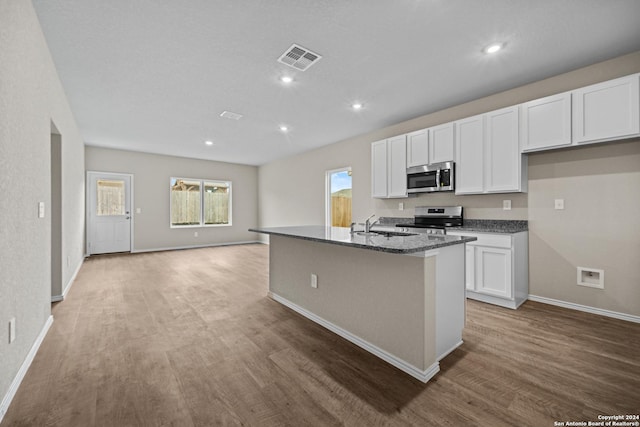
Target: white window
200, 202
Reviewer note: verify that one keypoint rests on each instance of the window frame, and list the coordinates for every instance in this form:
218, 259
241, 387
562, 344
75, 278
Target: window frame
202, 182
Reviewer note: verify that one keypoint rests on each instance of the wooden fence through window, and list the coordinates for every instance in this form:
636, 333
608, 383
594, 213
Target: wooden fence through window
185, 207
340, 211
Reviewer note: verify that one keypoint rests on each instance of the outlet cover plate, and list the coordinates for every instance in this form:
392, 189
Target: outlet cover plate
12, 330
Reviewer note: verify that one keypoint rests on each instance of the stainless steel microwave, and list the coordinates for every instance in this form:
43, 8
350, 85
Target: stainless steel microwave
430, 178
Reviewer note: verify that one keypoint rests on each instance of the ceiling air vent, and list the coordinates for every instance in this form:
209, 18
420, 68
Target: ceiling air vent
299, 58
230, 115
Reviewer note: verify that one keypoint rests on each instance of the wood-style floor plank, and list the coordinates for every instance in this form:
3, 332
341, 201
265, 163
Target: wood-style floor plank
189, 338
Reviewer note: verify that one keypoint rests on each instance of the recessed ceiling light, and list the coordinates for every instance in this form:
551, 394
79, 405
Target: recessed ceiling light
357, 105
286, 79
283, 128
208, 142
493, 48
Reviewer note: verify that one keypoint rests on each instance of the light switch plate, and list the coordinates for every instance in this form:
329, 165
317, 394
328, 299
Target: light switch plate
314, 280
12, 330
41, 210
559, 204
506, 205
138, 210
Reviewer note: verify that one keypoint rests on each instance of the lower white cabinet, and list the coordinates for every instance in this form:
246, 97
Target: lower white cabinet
497, 268
493, 271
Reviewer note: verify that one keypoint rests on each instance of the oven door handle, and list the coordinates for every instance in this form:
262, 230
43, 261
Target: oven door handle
438, 183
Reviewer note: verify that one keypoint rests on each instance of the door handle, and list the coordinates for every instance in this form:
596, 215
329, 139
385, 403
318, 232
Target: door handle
128, 217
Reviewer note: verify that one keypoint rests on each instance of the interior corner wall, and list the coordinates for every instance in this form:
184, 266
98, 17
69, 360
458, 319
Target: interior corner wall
151, 177
557, 243
31, 98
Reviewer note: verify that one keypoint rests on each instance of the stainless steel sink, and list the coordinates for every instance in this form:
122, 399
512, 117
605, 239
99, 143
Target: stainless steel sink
385, 233
395, 233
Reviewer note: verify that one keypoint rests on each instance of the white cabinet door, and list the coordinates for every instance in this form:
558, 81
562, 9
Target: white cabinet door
441, 143
493, 271
546, 123
606, 111
502, 166
397, 166
418, 148
470, 267
379, 169
469, 135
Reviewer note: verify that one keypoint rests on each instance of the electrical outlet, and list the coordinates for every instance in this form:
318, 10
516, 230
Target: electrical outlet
559, 204
12, 330
41, 210
506, 205
195, 234
314, 281
400, 206
138, 210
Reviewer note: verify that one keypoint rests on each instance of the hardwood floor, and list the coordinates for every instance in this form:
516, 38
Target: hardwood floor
188, 338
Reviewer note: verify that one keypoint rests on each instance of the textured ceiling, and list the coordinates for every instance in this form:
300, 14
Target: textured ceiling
154, 75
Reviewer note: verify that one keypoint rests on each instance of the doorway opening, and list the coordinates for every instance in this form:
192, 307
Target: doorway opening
339, 197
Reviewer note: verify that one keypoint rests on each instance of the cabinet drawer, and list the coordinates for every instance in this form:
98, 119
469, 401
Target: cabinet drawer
491, 240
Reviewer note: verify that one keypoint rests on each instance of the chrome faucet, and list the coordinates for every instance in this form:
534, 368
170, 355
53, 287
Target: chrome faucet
367, 224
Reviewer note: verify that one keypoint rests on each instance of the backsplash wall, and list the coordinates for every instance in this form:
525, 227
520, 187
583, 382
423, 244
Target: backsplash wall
486, 206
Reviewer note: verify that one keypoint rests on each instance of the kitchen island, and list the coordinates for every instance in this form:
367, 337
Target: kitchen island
399, 297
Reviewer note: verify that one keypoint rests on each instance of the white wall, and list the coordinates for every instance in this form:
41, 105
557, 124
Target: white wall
31, 98
292, 193
152, 173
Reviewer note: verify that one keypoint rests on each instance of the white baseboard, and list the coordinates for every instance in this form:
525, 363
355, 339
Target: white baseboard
13, 388
446, 353
586, 308
65, 291
421, 375
178, 248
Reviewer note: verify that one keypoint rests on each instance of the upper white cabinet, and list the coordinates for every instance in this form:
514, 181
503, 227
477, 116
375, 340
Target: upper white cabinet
607, 111
418, 148
546, 123
469, 155
389, 168
488, 158
397, 166
504, 167
379, 169
433, 145
441, 143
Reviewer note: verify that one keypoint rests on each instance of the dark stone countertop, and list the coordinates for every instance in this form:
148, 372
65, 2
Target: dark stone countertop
472, 225
380, 243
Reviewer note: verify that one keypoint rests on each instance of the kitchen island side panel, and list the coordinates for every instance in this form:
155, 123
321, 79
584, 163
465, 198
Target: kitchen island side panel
379, 297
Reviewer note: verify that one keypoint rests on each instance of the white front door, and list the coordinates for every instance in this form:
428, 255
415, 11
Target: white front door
108, 213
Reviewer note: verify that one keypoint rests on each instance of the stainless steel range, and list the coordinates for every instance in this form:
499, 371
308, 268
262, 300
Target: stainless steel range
434, 219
